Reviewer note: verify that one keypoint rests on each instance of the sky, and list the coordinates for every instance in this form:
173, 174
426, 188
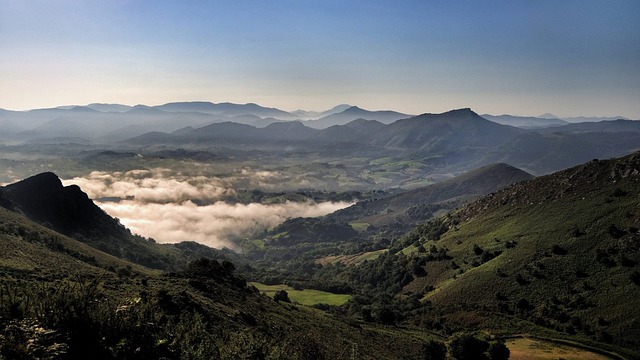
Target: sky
522, 57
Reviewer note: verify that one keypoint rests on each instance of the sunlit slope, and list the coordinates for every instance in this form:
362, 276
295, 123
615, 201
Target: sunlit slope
562, 251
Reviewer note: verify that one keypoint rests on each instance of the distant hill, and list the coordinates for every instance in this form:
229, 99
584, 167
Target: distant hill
227, 109
109, 107
410, 208
578, 119
619, 125
353, 113
308, 115
525, 122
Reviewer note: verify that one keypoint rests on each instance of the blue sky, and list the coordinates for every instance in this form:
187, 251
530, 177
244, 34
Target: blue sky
520, 57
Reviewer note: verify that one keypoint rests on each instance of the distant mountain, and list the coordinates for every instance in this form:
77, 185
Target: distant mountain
308, 115
459, 130
353, 113
454, 141
227, 109
547, 116
145, 110
358, 131
579, 119
525, 122
600, 126
109, 107
9, 127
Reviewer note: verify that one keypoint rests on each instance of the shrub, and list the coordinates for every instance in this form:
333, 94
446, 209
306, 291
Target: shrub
434, 350
465, 346
281, 295
635, 277
558, 250
499, 351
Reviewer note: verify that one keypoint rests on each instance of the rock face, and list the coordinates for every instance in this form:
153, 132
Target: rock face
68, 210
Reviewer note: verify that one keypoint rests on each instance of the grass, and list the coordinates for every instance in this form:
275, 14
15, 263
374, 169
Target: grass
304, 297
527, 348
360, 226
351, 259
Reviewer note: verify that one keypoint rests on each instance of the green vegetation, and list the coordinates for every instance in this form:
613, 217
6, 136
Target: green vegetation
556, 257
305, 296
527, 348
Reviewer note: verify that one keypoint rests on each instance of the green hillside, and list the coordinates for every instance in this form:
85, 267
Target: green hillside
561, 252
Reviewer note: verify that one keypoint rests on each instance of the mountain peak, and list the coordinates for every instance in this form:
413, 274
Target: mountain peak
353, 109
463, 113
548, 116
46, 180
68, 210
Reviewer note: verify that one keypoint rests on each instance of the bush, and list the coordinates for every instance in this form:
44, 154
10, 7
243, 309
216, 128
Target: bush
558, 250
467, 347
499, 351
281, 295
434, 350
635, 277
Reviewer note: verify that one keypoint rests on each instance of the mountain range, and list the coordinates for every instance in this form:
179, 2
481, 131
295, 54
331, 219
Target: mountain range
108, 122
456, 141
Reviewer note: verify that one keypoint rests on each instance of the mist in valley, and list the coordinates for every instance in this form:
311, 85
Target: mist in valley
171, 207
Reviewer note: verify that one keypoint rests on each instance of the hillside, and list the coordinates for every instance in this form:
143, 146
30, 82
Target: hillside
561, 251
412, 207
62, 299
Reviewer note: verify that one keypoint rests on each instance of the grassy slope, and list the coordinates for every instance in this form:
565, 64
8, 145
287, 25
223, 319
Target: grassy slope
532, 349
231, 320
31, 248
306, 296
585, 278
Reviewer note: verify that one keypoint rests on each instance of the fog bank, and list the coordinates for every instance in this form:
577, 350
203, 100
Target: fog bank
160, 204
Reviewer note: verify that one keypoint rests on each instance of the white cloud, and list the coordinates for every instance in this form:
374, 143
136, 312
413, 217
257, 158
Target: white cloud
213, 225
160, 204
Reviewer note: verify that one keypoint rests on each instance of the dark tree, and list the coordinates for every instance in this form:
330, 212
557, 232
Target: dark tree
499, 351
434, 350
281, 295
468, 347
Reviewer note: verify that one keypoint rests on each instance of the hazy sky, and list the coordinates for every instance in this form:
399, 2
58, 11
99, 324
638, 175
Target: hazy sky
521, 57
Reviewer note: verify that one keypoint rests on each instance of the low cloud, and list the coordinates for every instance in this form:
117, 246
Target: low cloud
213, 225
160, 204
152, 186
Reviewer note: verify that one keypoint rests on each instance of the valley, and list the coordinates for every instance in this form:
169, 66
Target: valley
382, 236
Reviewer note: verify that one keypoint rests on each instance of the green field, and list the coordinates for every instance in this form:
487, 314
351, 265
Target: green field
305, 297
349, 260
530, 349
